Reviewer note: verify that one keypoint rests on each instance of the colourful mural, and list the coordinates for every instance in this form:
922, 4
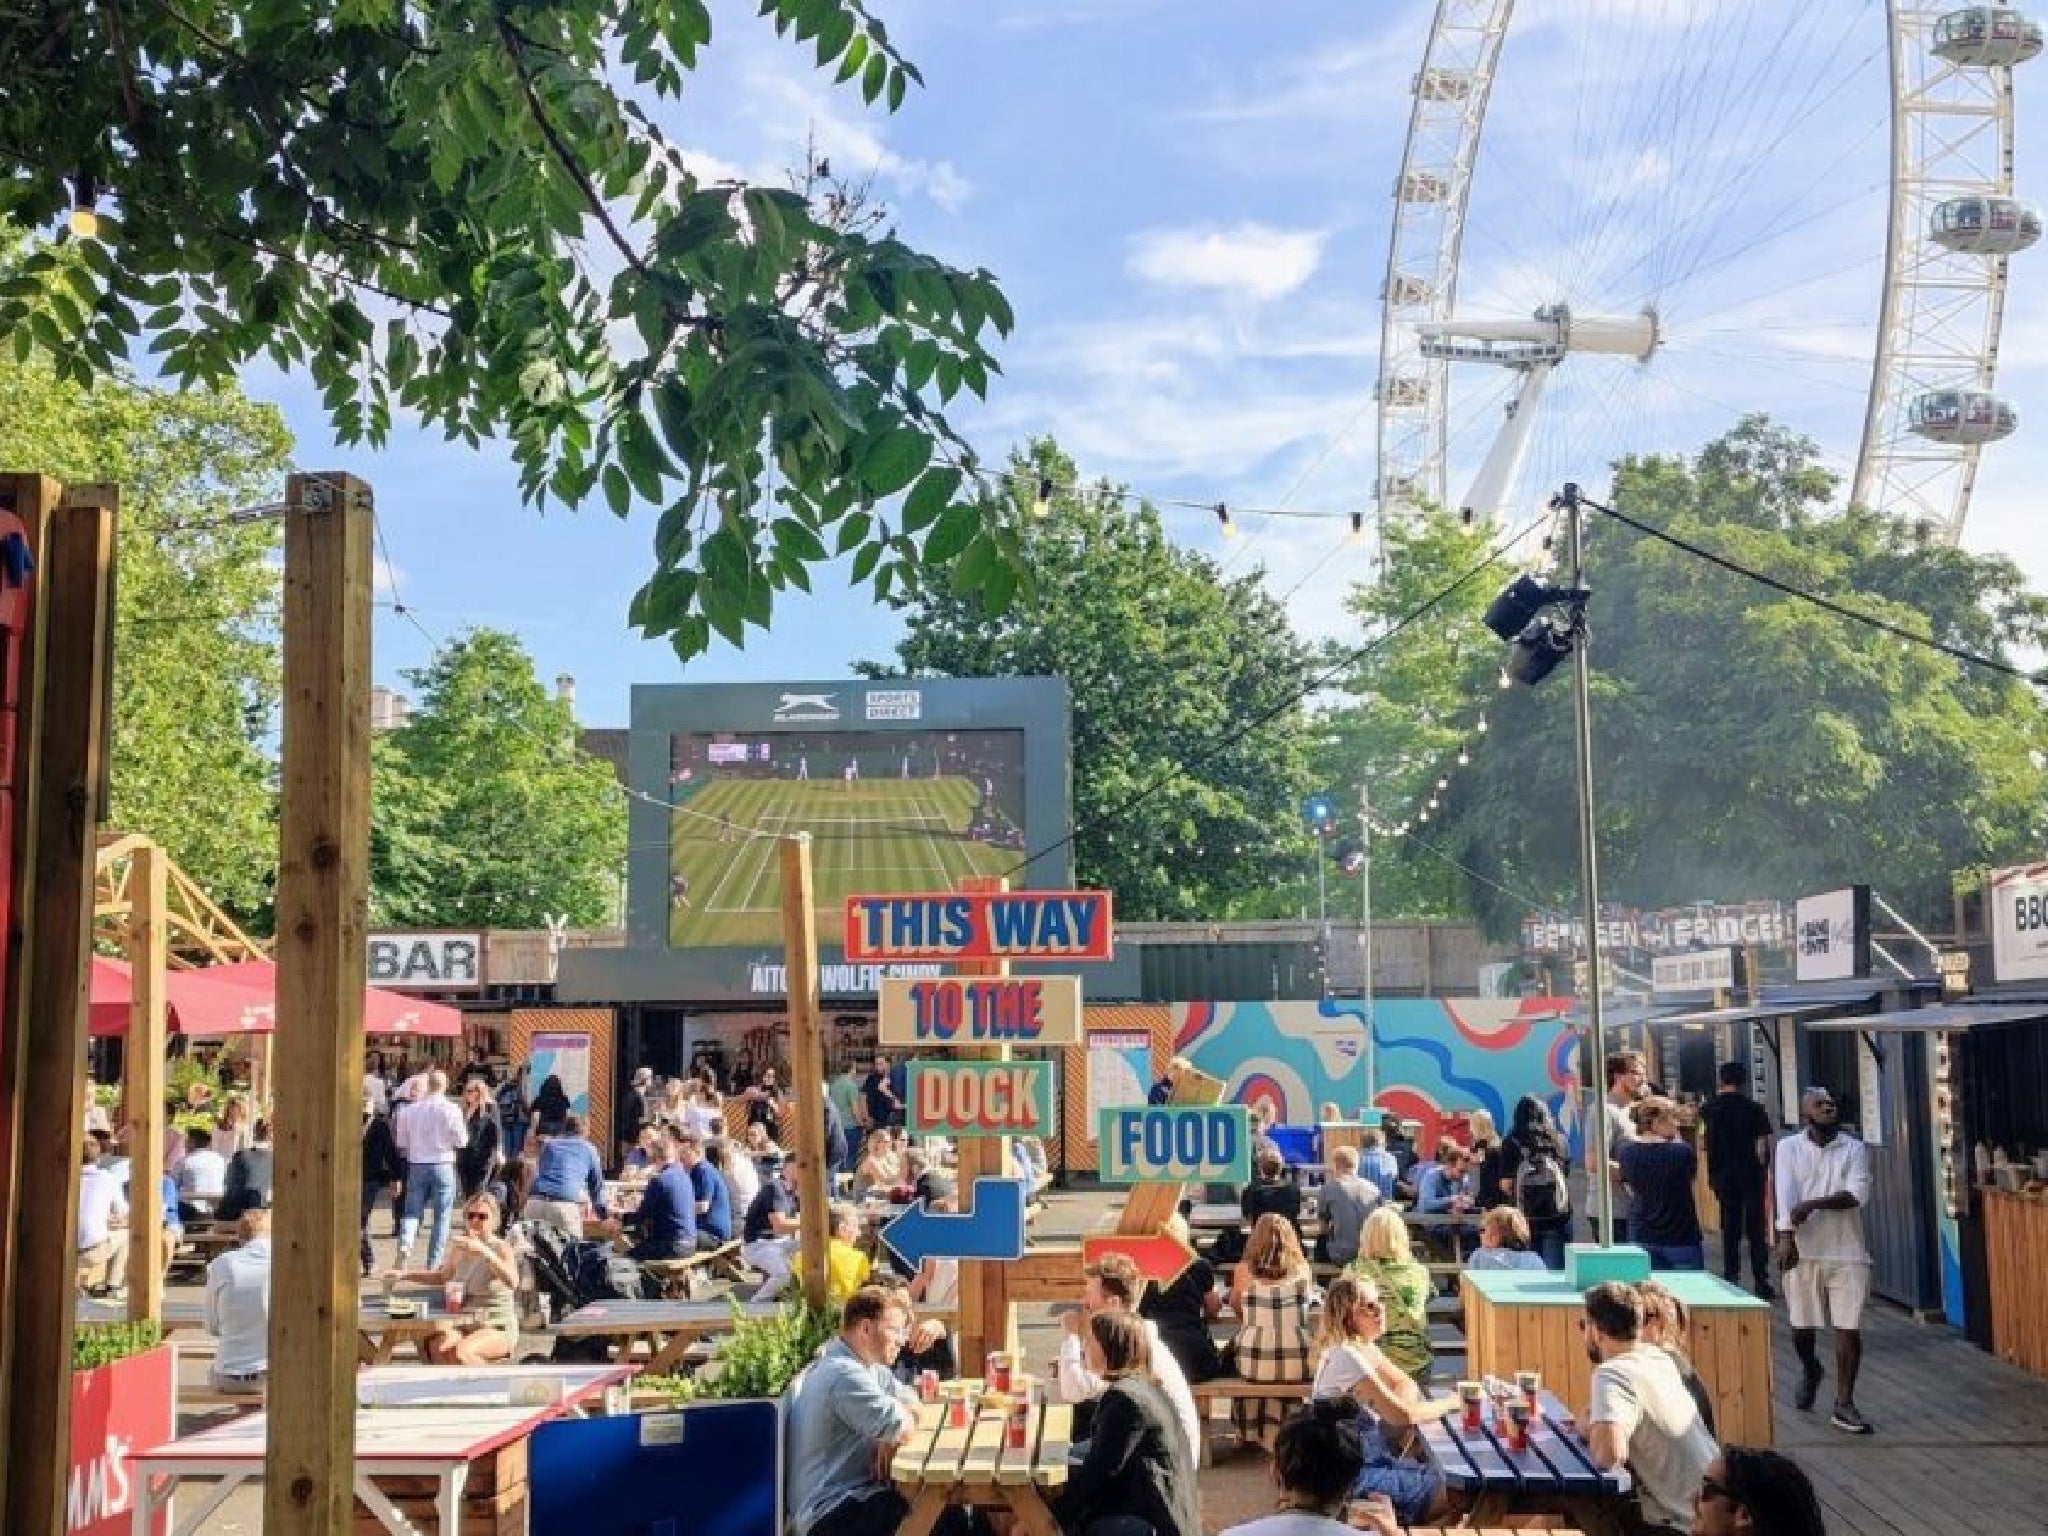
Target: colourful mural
1436, 1058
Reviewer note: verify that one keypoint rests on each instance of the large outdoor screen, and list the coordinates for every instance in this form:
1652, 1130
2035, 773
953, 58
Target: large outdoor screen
887, 810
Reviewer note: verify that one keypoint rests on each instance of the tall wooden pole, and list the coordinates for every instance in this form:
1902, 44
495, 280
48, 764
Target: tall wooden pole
322, 901
25, 502
806, 1066
987, 1319
142, 1080
65, 787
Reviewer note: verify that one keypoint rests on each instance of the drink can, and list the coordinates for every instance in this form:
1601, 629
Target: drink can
1017, 1431
1518, 1425
998, 1371
928, 1385
1530, 1383
1473, 1395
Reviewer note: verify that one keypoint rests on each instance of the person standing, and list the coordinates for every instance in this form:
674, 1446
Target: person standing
476, 1165
1376, 1165
1627, 1076
566, 1178
430, 1133
1660, 1168
1738, 1137
1821, 1176
1641, 1413
383, 1169
878, 1097
1161, 1092
1533, 1161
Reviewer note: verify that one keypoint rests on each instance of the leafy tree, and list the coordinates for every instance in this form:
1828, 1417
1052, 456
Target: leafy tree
195, 643
483, 812
1189, 746
1746, 742
464, 212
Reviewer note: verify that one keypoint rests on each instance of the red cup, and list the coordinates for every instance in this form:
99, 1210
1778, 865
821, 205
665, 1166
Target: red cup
1473, 1396
928, 1386
998, 1372
958, 1414
451, 1295
1017, 1429
1518, 1426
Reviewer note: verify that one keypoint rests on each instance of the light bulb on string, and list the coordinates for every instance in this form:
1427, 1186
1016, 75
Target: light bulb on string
1443, 783
85, 219
1223, 520
1357, 533
1505, 680
1041, 504
1481, 726
1464, 757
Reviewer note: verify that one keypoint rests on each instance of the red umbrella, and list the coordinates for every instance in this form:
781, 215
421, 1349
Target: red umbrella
196, 1002
384, 1013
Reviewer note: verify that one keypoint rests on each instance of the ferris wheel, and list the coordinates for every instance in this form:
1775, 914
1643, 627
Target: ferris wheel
1621, 224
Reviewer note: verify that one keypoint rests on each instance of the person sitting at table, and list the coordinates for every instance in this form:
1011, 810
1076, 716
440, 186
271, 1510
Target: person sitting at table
1376, 1165
1441, 1189
769, 1231
1270, 1295
1112, 1284
247, 1184
1272, 1191
566, 1174
486, 1266
102, 1225
238, 1308
847, 1414
1756, 1493
1347, 1199
1659, 1167
1400, 1145
1351, 1367
937, 1281
667, 1216
846, 1268
1664, 1325
881, 1166
648, 1154
1503, 1242
712, 1200
758, 1142
202, 1177
928, 1345
1180, 1313
1137, 1473
703, 1105
1641, 1413
1387, 1258
1316, 1459
741, 1174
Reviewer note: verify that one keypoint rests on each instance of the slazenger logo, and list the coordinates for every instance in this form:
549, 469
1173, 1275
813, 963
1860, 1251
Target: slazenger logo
807, 707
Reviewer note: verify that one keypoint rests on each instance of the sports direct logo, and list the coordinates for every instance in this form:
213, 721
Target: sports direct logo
806, 708
895, 704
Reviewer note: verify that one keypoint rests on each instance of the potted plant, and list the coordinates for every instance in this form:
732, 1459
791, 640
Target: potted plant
759, 1359
124, 1382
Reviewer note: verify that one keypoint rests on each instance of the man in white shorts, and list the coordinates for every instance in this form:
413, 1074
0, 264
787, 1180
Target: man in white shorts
1821, 1178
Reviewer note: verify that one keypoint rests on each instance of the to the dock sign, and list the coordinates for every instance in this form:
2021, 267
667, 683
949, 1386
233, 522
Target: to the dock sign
957, 1011
980, 925
1175, 1143
981, 1098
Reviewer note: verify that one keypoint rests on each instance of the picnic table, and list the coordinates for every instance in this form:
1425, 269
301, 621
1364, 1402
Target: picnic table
667, 1327
379, 1335
1555, 1472
940, 1466
457, 1454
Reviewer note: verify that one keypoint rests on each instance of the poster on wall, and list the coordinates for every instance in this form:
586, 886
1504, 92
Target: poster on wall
566, 1058
2018, 899
1833, 931
1869, 1093
1788, 1075
1119, 1070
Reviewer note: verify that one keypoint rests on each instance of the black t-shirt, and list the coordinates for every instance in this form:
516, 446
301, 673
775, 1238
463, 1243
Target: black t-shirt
1659, 1177
881, 1105
1282, 1197
1733, 1122
1183, 1325
773, 1196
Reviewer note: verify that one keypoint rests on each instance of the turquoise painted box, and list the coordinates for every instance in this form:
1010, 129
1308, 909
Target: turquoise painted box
1587, 1264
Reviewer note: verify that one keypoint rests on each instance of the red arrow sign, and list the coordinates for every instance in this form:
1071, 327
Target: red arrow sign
1160, 1256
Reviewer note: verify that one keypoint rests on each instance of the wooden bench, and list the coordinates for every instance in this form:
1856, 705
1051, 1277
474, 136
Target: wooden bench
1225, 1389
677, 1276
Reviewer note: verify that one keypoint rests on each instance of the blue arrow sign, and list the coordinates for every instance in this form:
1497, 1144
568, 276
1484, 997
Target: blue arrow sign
992, 1229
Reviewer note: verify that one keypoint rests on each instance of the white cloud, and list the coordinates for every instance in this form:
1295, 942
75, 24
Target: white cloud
1250, 259
849, 140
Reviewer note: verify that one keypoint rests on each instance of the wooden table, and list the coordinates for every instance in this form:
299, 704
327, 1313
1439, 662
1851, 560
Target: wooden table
1555, 1472
1528, 1320
939, 1466
453, 1466
379, 1334
667, 1327
2016, 1265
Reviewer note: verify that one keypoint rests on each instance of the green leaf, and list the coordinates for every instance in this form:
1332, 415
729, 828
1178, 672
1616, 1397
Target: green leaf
898, 82
874, 78
933, 494
792, 535
893, 460
864, 562
852, 529
954, 531
618, 491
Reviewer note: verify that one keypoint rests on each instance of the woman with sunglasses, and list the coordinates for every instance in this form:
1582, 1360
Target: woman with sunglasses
1756, 1493
487, 1269
1351, 1366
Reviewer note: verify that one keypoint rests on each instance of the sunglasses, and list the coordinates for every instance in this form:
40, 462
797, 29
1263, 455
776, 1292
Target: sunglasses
476, 1215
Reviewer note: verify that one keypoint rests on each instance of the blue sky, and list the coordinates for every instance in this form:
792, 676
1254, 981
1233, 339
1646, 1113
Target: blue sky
1188, 204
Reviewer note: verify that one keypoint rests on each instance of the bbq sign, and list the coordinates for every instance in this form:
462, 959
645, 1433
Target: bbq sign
981, 1098
979, 925
979, 1010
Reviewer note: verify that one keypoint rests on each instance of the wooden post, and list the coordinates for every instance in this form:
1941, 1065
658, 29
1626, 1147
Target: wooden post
142, 1080
52, 991
25, 501
806, 1065
987, 1319
322, 901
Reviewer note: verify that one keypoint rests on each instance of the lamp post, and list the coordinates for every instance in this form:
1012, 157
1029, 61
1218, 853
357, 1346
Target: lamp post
1372, 1048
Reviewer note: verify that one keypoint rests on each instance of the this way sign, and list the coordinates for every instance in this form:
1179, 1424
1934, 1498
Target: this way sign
993, 1228
1160, 1256
1175, 1143
980, 925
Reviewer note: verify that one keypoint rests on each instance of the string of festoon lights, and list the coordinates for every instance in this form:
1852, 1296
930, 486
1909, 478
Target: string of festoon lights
1430, 805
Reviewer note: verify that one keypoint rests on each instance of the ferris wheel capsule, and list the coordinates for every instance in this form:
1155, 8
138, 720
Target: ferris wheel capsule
1981, 225
1987, 36
1962, 416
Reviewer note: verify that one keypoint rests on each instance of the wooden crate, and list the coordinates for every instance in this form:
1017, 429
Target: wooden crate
494, 1500
2016, 1264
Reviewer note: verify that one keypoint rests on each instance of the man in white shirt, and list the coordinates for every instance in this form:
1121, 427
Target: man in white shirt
1821, 1178
1642, 1414
1113, 1284
429, 1134
1628, 1078
102, 1225
202, 1177
238, 1308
